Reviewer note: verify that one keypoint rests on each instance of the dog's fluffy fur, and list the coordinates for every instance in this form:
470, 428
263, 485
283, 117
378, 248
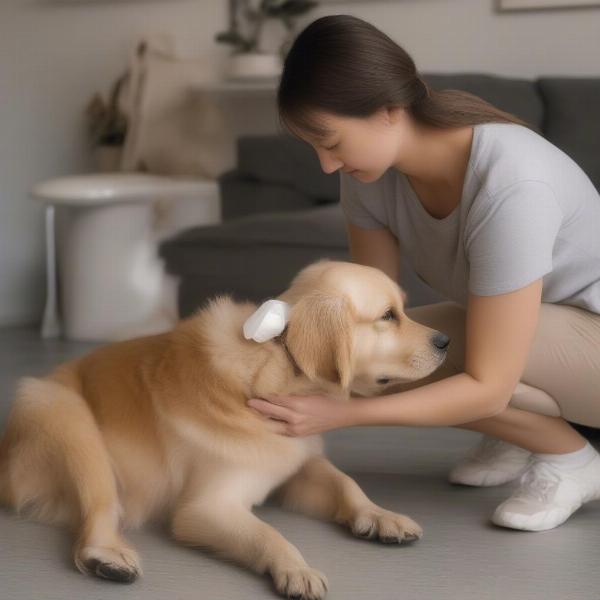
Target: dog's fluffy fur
158, 427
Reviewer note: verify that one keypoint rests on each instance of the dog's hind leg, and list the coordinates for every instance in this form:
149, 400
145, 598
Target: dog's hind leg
59, 469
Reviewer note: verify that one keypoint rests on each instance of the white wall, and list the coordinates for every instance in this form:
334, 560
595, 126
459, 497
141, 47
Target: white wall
55, 54
470, 35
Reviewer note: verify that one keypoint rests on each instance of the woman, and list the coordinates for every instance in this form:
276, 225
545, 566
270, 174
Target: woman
493, 216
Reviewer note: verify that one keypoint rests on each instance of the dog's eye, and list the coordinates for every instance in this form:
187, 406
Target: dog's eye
383, 380
390, 315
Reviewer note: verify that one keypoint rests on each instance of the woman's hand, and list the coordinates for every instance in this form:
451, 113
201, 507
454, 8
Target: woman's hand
304, 415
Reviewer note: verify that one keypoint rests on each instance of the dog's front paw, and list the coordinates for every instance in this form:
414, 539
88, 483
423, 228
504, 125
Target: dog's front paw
302, 583
375, 523
120, 564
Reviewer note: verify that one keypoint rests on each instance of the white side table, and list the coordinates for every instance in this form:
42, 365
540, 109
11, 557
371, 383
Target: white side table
105, 280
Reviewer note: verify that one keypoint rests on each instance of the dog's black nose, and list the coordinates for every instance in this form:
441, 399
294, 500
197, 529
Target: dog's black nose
440, 340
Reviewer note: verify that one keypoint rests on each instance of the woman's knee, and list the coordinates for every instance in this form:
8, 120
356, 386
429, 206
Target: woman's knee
536, 400
564, 363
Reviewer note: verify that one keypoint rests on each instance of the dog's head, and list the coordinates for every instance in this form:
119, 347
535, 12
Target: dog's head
347, 326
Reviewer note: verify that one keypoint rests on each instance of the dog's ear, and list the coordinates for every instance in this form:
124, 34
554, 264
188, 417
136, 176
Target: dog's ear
319, 337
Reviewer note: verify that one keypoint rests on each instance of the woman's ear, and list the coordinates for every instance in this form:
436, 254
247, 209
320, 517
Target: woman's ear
394, 113
319, 337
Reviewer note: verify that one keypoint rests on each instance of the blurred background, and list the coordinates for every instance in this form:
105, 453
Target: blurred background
91, 86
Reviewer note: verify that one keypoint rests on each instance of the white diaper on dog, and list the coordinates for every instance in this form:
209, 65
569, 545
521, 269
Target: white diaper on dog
268, 321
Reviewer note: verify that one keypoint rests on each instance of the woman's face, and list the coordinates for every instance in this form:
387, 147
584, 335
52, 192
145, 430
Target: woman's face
364, 147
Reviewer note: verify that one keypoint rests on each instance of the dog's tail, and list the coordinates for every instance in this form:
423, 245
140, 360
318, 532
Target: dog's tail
58, 469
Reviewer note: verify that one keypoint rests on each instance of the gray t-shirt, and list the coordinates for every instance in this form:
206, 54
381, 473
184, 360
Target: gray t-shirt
527, 211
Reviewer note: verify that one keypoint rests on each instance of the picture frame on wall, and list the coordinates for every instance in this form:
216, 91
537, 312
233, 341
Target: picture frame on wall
512, 5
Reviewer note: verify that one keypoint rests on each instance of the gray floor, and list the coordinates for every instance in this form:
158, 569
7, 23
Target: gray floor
462, 555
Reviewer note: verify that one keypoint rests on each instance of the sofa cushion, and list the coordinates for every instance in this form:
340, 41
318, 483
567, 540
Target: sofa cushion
573, 119
252, 258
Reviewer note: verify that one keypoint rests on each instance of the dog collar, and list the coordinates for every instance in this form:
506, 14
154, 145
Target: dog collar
281, 340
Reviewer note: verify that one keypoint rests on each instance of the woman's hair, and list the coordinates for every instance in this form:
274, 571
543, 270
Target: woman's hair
345, 66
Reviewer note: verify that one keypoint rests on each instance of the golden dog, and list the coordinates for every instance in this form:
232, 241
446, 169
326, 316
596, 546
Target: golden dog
159, 427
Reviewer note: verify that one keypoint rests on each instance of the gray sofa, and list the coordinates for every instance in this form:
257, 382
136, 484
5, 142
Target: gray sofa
281, 211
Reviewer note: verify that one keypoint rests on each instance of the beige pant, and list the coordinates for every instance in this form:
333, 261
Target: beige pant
562, 375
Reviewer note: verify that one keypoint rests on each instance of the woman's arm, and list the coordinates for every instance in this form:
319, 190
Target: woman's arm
499, 333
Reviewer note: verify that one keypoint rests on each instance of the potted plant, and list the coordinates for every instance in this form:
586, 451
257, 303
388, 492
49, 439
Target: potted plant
247, 19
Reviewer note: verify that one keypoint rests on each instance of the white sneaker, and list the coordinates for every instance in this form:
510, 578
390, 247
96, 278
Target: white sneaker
548, 495
491, 462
